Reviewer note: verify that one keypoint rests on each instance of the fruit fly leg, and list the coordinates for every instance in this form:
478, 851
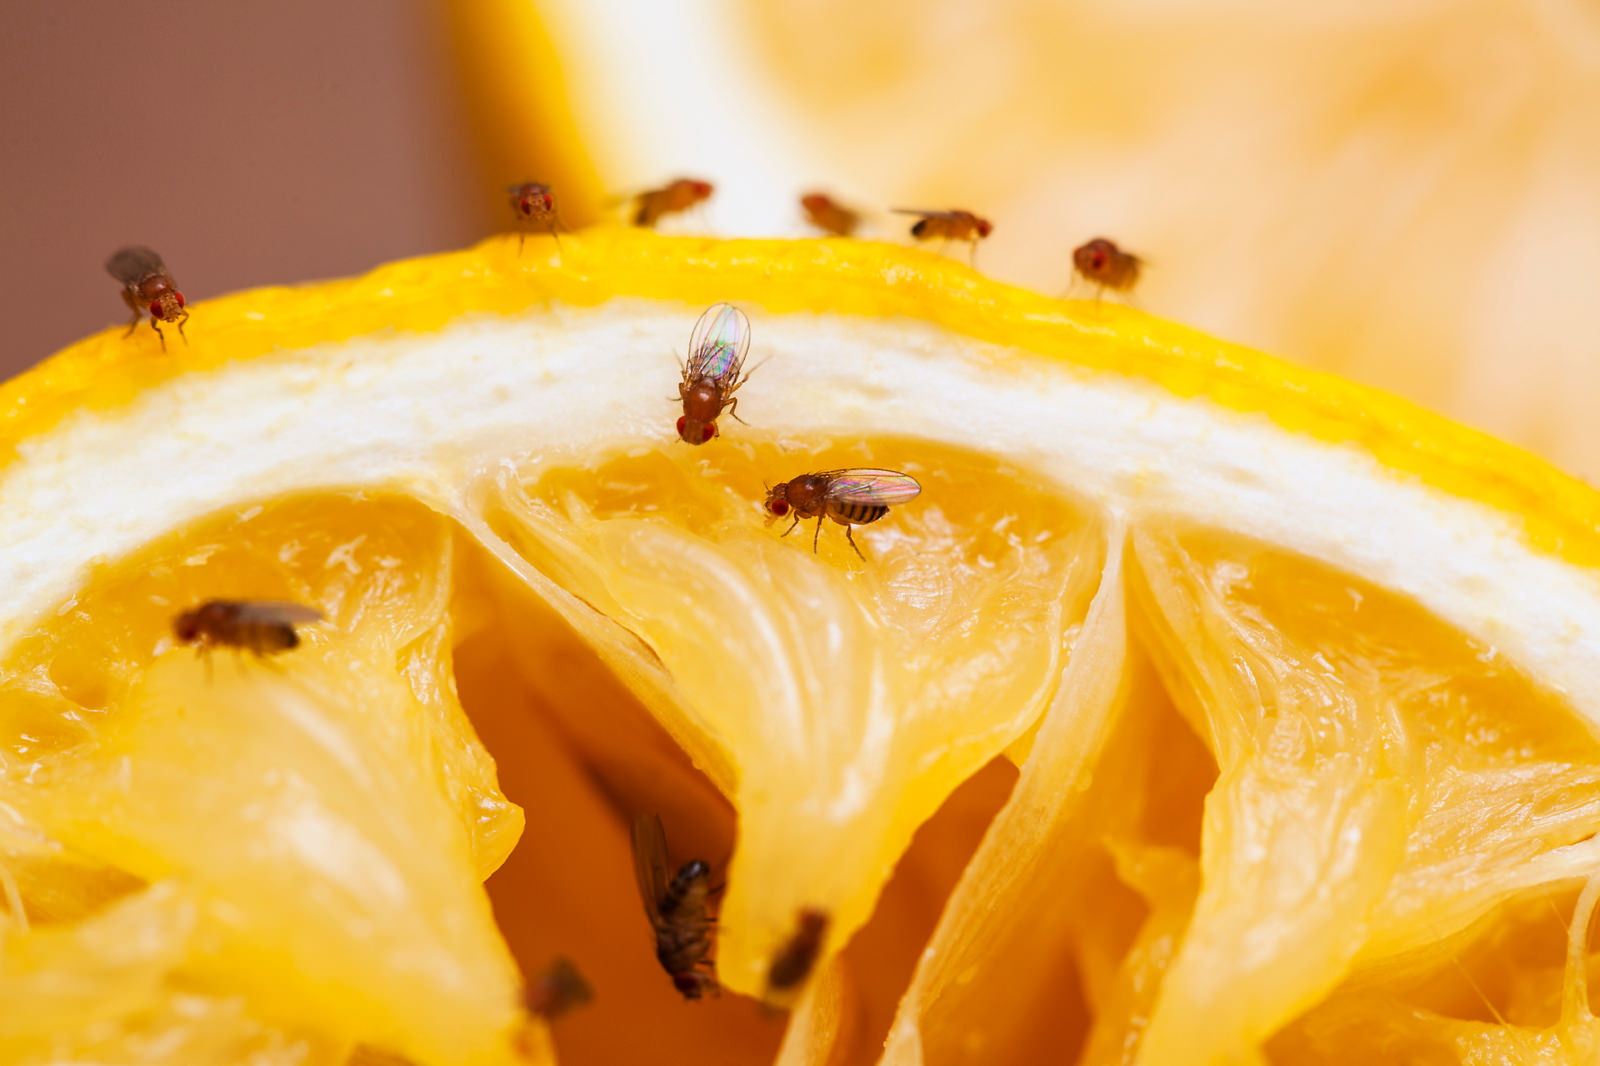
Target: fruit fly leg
792, 525
127, 298
163, 336
972, 261
733, 411
818, 533
852, 541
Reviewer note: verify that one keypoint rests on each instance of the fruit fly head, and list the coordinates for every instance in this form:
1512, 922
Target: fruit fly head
777, 502
695, 432
985, 227
532, 200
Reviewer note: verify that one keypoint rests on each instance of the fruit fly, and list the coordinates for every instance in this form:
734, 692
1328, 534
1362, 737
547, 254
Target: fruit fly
950, 226
533, 204
717, 348
558, 988
147, 286
675, 196
1104, 265
849, 497
678, 909
793, 962
264, 627
828, 215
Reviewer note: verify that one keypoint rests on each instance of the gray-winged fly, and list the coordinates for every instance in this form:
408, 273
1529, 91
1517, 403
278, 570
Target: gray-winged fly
717, 349
1104, 265
148, 287
679, 195
949, 226
533, 204
828, 215
678, 906
849, 497
558, 988
795, 959
265, 627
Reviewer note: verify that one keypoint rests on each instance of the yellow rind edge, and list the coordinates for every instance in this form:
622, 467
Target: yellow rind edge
1560, 514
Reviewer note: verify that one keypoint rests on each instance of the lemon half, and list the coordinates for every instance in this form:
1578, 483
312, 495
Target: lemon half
1201, 709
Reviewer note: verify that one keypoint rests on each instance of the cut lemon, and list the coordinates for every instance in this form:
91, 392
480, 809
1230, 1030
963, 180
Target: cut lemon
1198, 710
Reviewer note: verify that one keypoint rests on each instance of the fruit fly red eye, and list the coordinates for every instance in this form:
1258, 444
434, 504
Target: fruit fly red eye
179, 295
549, 201
779, 507
681, 421
155, 311
985, 227
708, 431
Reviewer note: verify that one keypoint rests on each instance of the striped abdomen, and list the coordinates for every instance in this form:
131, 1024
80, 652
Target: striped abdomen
856, 514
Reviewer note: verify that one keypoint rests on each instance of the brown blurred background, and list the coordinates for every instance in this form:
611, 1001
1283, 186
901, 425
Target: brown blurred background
249, 144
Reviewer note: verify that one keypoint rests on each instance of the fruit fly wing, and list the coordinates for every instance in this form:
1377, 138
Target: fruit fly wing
650, 862
134, 264
886, 487
717, 348
926, 214
279, 611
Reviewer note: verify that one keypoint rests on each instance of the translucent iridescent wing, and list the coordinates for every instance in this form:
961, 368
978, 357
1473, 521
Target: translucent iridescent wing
881, 487
132, 265
650, 863
927, 214
717, 348
279, 611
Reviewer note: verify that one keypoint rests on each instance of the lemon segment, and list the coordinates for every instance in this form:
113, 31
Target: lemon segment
869, 689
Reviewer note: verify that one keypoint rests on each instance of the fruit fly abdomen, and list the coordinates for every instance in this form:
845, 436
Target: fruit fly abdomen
264, 627
850, 497
711, 376
678, 908
147, 287
1106, 266
534, 204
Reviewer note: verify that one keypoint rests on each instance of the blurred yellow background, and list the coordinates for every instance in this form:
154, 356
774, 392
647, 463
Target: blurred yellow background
1407, 193
1403, 193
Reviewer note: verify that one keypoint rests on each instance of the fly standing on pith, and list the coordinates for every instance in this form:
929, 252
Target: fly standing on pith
147, 286
717, 351
950, 226
534, 203
850, 497
652, 205
1106, 266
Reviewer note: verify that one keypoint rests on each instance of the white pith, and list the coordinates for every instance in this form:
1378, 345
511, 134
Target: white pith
428, 414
